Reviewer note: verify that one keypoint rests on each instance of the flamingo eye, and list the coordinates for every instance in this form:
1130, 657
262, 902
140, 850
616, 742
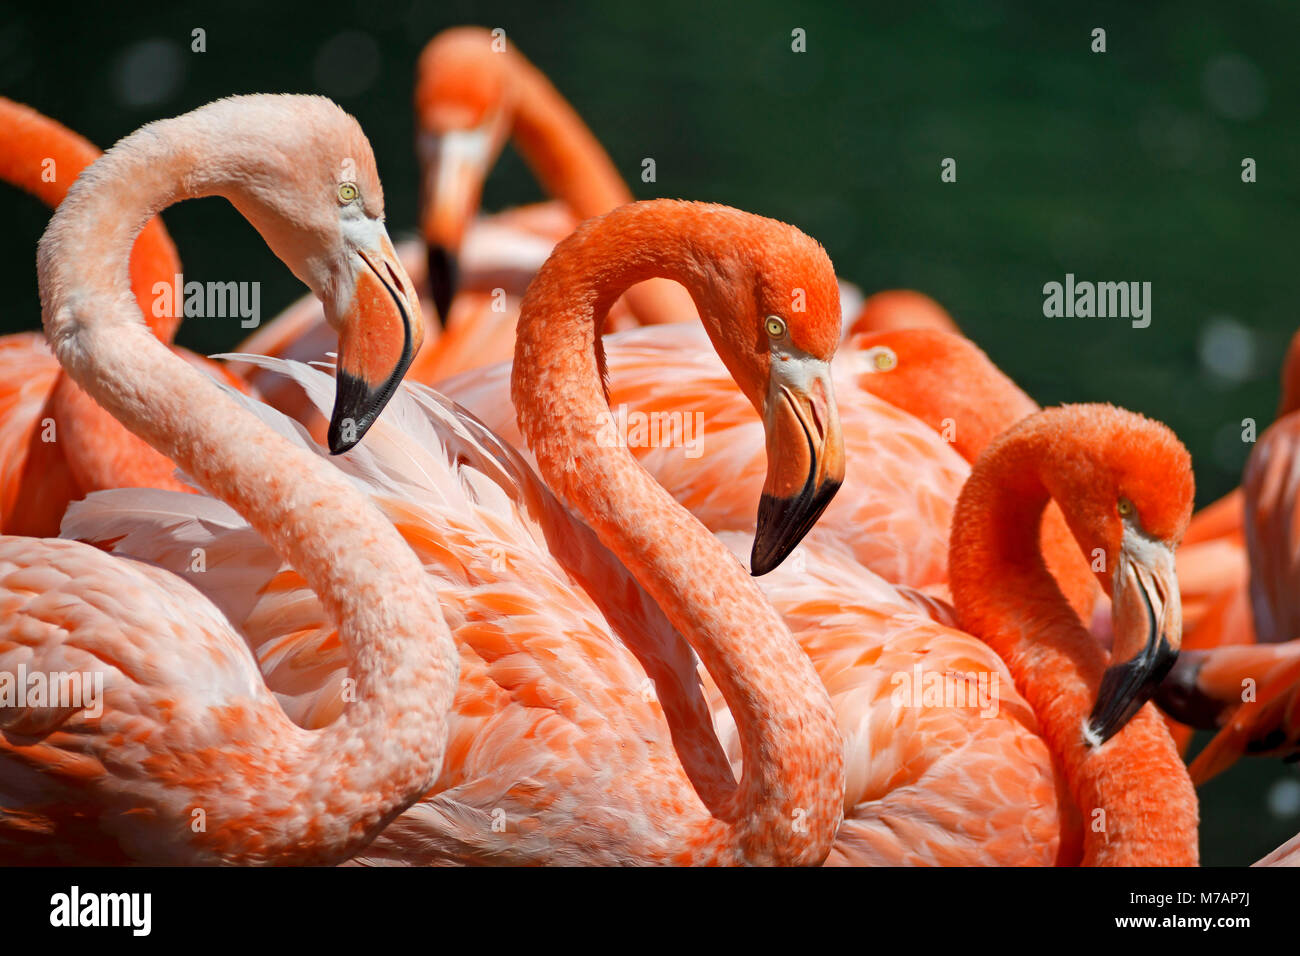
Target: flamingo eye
882, 359
775, 326
348, 192
1126, 508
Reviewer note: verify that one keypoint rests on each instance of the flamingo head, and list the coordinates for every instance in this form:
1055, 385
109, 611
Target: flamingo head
325, 220
771, 306
464, 102
1128, 502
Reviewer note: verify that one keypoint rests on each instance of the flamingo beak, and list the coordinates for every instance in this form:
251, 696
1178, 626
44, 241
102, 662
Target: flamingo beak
454, 165
1148, 622
380, 333
805, 458
444, 271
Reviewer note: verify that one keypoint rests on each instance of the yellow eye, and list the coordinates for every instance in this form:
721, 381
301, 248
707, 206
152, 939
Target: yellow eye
347, 192
775, 327
883, 359
1125, 507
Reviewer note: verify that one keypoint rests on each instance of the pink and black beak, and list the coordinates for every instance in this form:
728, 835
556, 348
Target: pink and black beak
380, 332
453, 165
1146, 610
805, 459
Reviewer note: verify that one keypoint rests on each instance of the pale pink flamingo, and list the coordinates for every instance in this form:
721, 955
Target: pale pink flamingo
56, 444
532, 773
190, 759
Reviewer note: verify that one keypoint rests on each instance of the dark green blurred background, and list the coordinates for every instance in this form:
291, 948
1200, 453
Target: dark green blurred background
1117, 166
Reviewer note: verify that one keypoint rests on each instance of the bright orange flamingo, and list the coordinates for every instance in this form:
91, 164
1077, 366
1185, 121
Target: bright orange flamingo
946, 381
1212, 556
937, 784
185, 730
56, 444
687, 423
580, 733
931, 783
1125, 486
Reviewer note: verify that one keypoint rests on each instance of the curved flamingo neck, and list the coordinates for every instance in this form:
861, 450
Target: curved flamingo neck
789, 803
387, 747
1137, 803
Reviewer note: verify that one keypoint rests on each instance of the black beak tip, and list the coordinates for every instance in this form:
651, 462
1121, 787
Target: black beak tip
346, 432
783, 523
443, 278
337, 444
1126, 687
761, 562
356, 406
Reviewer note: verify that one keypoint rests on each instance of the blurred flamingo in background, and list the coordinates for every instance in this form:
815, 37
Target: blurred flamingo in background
474, 92
1238, 560
1250, 694
1244, 563
186, 729
56, 443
